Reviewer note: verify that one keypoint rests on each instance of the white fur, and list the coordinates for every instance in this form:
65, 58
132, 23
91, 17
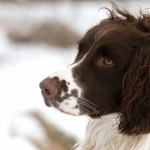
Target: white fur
68, 105
66, 74
102, 134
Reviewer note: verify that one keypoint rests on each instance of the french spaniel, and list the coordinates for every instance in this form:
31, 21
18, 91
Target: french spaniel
110, 82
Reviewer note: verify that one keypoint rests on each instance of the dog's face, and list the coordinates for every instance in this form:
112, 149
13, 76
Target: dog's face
93, 83
111, 73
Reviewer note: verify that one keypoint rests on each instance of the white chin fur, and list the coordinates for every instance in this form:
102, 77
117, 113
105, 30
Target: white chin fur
70, 107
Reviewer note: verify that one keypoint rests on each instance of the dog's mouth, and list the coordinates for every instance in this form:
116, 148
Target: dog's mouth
61, 95
71, 105
51, 103
68, 106
46, 100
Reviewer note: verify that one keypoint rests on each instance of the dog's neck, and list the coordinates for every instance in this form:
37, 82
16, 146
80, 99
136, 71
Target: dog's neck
102, 134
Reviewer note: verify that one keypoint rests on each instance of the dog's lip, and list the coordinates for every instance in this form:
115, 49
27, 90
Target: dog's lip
47, 102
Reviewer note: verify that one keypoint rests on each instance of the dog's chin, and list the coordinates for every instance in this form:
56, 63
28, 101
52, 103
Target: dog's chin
68, 113
49, 104
94, 115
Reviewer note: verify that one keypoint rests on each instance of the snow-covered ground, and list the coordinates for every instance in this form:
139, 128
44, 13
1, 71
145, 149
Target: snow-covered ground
24, 66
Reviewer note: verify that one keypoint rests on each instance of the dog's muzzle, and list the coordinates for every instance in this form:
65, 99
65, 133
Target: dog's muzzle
61, 91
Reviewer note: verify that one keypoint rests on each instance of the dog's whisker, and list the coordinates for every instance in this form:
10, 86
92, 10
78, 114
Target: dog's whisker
89, 106
94, 105
84, 108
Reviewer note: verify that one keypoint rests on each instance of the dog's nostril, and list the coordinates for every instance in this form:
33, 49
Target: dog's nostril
47, 92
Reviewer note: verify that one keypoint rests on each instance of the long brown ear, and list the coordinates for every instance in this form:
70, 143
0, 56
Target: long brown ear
135, 105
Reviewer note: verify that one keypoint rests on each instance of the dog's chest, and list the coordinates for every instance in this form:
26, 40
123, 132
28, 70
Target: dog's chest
102, 134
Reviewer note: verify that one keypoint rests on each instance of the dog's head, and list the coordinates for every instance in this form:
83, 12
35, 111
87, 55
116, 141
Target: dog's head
111, 73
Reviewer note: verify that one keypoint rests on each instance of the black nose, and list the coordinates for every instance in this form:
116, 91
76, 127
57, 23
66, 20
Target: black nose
49, 87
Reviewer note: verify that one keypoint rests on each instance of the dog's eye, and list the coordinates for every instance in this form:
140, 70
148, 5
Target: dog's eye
108, 61
105, 62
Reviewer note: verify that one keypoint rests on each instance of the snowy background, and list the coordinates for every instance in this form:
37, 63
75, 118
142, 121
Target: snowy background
24, 65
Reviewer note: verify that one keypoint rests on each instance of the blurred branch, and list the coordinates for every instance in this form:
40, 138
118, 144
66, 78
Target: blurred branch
55, 139
51, 33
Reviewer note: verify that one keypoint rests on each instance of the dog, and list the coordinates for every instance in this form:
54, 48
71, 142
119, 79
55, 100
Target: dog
109, 81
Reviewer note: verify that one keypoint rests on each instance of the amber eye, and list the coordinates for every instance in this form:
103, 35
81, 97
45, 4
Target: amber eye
108, 61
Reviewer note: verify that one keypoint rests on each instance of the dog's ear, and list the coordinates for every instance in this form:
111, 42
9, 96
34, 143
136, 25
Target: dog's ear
135, 104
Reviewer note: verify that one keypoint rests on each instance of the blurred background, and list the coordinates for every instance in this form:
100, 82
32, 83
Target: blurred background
37, 38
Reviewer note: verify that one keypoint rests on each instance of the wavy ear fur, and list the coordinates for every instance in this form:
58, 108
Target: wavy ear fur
135, 103
135, 106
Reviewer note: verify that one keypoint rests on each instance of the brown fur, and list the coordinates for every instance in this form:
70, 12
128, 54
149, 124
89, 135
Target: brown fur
135, 104
128, 37
124, 85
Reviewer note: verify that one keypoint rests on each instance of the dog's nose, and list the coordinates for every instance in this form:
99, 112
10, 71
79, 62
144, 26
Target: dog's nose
49, 87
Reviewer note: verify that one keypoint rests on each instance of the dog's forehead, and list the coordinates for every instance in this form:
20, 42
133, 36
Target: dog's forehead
88, 42
89, 39
96, 34
95, 37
